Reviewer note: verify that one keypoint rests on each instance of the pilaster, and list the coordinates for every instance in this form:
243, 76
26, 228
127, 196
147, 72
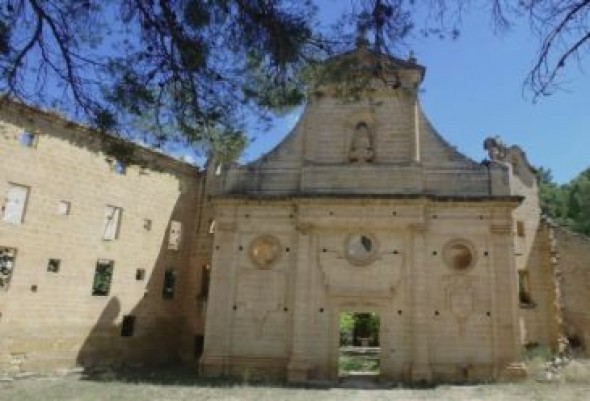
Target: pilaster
300, 363
420, 317
505, 315
218, 330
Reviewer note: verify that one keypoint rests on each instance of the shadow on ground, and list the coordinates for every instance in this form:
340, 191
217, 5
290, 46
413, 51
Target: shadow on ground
185, 376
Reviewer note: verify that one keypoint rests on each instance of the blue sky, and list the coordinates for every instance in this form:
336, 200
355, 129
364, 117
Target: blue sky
474, 88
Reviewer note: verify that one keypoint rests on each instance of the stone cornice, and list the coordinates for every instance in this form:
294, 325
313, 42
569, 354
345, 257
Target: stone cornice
347, 198
23, 115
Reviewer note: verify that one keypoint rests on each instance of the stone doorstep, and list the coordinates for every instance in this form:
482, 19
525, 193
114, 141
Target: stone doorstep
26, 375
360, 374
516, 371
363, 380
359, 350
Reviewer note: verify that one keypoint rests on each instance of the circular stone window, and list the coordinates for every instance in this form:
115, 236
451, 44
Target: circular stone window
459, 255
264, 251
361, 248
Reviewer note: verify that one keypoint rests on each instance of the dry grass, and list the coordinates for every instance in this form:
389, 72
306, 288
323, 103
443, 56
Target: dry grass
82, 390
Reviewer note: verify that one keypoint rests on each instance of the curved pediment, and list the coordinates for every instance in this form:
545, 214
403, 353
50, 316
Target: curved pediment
377, 144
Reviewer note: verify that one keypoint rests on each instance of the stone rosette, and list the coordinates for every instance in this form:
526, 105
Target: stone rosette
360, 248
265, 251
459, 255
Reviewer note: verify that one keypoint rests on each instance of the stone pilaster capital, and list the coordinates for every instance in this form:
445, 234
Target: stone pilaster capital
501, 228
418, 227
304, 228
226, 226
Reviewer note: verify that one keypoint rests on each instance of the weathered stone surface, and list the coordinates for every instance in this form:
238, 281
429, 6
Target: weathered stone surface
364, 207
51, 319
410, 195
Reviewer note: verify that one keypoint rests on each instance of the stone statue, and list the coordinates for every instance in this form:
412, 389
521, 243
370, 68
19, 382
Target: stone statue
496, 148
361, 147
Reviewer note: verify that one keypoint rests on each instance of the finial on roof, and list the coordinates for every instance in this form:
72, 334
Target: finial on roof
412, 57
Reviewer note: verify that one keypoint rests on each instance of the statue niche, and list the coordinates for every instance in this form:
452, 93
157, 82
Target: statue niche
361, 146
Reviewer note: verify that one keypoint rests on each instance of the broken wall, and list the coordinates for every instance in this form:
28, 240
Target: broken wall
83, 208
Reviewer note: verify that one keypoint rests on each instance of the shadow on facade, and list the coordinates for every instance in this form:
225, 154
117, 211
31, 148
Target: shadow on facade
163, 324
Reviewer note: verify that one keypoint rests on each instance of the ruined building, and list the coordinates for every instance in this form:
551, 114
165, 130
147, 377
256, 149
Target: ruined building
363, 207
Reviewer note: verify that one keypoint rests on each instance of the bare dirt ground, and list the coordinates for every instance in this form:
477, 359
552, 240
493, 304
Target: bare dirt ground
167, 388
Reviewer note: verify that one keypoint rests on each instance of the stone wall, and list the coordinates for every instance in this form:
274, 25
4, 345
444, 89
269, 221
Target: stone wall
438, 322
374, 170
573, 266
404, 155
539, 317
50, 319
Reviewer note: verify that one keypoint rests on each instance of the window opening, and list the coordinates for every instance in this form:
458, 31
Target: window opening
112, 219
458, 255
15, 204
53, 265
63, 208
360, 249
119, 167
174, 235
28, 139
102, 277
7, 256
128, 326
520, 228
199, 345
140, 274
205, 280
524, 289
169, 284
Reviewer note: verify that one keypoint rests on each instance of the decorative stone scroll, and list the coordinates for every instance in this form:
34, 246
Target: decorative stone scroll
265, 250
460, 298
496, 149
361, 145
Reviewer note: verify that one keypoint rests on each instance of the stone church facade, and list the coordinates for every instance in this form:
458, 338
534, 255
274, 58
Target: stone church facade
238, 270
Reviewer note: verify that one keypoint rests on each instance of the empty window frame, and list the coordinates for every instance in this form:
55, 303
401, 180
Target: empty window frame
169, 283
147, 224
524, 288
15, 204
520, 229
140, 274
128, 326
28, 139
119, 167
53, 265
174, 235
111, 223
205, 279
63, 208
103, 276
7, 257
199, 345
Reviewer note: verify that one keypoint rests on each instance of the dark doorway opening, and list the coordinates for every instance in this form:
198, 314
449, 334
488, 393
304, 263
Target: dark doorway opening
359, 348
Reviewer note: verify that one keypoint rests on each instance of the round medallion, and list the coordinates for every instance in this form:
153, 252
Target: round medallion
459, 255
360, 248
264, 251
